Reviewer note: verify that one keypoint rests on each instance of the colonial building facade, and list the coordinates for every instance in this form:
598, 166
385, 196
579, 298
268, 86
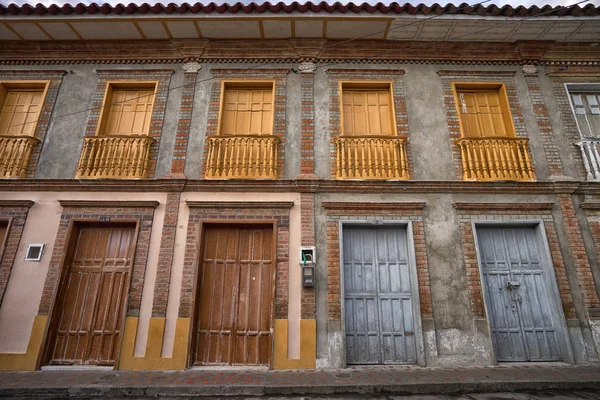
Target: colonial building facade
298, 186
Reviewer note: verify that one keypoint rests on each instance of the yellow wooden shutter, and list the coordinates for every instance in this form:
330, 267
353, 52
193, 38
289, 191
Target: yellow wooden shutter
130, 112
367, 112
19, 113
247, 112
482, 114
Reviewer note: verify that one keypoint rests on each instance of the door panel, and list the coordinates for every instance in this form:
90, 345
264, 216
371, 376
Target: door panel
91, 308
235, 296
377, 297
517, 296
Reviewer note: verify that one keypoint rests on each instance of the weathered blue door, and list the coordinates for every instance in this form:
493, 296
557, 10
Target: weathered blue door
518, 299
378, 298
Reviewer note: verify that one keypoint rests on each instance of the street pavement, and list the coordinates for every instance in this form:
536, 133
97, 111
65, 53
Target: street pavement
553, 380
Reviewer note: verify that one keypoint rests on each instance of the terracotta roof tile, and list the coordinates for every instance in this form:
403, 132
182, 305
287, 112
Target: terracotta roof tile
322, 7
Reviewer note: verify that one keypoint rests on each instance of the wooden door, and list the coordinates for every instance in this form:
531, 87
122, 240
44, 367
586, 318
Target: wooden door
89, 314
518, 299
233, 323
3, 232
378, 300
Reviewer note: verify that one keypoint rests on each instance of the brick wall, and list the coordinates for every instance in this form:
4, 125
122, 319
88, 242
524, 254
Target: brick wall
15, 214
338, 212
162, 76
506, 77
222, 213
183, 124
142, 214
165, 256
371, 75
307, 217
278, 76
509, 213
579, 255
55, 77
542, 119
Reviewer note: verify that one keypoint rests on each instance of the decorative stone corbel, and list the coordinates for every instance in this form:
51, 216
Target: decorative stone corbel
192, 67
307, 67
530, 69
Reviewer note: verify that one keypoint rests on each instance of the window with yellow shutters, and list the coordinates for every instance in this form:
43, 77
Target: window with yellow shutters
245, 146
367, 112
21, 103
482, 114
121, 146
369, 147
130, 112
489, 147
247, 111
20, 112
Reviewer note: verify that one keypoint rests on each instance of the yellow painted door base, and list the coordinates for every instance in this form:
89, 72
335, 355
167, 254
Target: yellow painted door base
308, 345
26, 361
152, 359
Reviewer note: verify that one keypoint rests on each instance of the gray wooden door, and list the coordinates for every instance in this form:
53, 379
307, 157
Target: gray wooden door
378, 300
518, 299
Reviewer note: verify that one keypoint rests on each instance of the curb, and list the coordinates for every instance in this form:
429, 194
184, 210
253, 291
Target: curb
106, 390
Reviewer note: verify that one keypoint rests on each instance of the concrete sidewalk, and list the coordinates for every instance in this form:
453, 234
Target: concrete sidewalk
359, 380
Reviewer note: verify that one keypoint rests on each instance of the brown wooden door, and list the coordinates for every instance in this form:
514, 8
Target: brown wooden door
3, 231
235, 294
88, 319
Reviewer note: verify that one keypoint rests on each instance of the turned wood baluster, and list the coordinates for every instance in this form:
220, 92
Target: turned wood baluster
14, 157
397, 159
341, 158
370, 158
520, 163
231, 148
389, 174
493, 168
220, 158
97, 158
132, 158
355, 169
82, 167
9, 153
476, 167
595, 157
528, 161
245, 146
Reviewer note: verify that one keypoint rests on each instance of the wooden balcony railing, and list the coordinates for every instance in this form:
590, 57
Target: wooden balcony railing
371, 157
115, 156
15, 152
490, 159
590, 150
242, 156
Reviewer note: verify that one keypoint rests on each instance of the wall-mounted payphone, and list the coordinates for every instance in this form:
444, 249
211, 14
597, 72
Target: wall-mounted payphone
308, 263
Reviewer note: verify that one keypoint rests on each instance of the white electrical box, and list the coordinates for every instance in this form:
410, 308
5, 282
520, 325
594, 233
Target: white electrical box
307, 255
34, 252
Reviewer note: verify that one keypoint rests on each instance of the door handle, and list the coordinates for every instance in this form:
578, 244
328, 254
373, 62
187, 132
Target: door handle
512, 285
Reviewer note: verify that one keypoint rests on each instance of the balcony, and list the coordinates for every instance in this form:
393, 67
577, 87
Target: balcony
15, 152
371, 157
115, 156
590, 150
492, 159
242, 157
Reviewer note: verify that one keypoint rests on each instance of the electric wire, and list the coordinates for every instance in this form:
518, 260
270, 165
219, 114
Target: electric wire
311, 53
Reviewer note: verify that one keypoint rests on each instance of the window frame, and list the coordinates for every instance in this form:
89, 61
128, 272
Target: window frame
106, 103
368, 85
592, 87
500, 87
246, 84
22, 86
